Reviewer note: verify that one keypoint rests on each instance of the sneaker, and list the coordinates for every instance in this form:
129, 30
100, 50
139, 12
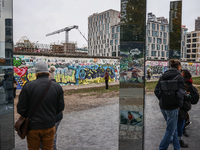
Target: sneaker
185, 133
183, 144
187, 124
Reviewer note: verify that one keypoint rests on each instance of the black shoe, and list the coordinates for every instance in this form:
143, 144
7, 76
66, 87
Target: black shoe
187, 124
183, 144
185, 133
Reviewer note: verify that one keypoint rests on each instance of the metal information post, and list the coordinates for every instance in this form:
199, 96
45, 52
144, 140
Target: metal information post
132, 49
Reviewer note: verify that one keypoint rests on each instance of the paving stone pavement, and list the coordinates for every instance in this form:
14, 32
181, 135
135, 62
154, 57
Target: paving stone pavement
93, 129
97, 128
155, 126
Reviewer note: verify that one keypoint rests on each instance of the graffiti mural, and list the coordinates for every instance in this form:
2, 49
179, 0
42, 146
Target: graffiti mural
157, 68
69, 71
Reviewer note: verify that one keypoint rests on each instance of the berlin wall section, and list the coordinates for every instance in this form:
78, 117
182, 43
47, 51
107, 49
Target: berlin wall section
132, 64
6, 76
69, 70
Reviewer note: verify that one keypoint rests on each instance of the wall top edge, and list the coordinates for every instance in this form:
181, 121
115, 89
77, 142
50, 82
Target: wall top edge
63, 55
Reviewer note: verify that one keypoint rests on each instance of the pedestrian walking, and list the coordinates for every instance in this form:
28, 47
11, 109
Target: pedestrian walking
106, 78
170, 91
148, 74
42, 123
130, 118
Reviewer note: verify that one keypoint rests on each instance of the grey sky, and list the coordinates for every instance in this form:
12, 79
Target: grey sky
190, 10
36, 18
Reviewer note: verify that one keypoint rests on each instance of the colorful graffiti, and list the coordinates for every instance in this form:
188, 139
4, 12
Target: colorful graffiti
69, 71
157, 68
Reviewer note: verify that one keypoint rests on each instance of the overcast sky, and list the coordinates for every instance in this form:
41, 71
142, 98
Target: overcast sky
36, 18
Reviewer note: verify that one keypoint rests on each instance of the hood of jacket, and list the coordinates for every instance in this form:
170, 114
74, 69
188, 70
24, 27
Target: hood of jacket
171, 74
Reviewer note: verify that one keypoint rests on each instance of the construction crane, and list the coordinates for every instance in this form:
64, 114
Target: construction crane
66, 29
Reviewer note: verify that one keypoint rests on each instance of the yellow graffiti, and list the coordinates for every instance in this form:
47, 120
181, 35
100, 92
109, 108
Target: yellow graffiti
66, 79
190, 64
96, 80
31, 76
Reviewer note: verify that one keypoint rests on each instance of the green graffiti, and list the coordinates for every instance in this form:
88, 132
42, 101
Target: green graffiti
17, 62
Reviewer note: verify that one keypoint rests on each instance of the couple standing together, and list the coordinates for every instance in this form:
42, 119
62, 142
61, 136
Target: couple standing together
172, 90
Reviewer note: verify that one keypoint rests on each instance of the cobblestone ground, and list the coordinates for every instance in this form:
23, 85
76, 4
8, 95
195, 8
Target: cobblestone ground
155, 125
93, 129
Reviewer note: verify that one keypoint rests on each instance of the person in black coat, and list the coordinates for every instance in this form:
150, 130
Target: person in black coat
42, 124
170, 106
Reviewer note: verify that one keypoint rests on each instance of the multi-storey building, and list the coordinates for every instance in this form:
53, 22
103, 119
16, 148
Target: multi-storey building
193, 46
157, 36
104, 33
197, 24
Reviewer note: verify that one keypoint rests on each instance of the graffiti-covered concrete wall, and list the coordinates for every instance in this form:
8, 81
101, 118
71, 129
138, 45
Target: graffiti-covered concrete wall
157, 68
69, 71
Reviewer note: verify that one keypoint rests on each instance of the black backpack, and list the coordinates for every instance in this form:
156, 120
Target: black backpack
168, 92
194, 95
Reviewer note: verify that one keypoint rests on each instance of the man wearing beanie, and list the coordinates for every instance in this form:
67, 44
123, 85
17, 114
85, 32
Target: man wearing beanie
42, 123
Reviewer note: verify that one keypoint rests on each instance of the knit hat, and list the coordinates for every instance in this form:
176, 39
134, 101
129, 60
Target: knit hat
41, 67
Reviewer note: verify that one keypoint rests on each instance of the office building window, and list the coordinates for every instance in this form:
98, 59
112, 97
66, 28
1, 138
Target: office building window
153, 26
159, 40
193, 55
194, 35
188, 35
158, 47
149, 39
152, 46
163, 54
194, 50
165, 35
111, 42
193, 45
194, 40
113, 29
148, 26
164, 41
116, 42
118, 29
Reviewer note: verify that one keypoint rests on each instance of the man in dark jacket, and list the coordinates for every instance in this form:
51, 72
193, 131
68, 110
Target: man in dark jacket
170, 106
42, 124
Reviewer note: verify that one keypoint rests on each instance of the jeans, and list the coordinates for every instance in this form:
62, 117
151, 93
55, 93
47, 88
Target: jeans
46, 136
180, 127
171, 134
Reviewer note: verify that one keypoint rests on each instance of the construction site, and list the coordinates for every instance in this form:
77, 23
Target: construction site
66, 47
